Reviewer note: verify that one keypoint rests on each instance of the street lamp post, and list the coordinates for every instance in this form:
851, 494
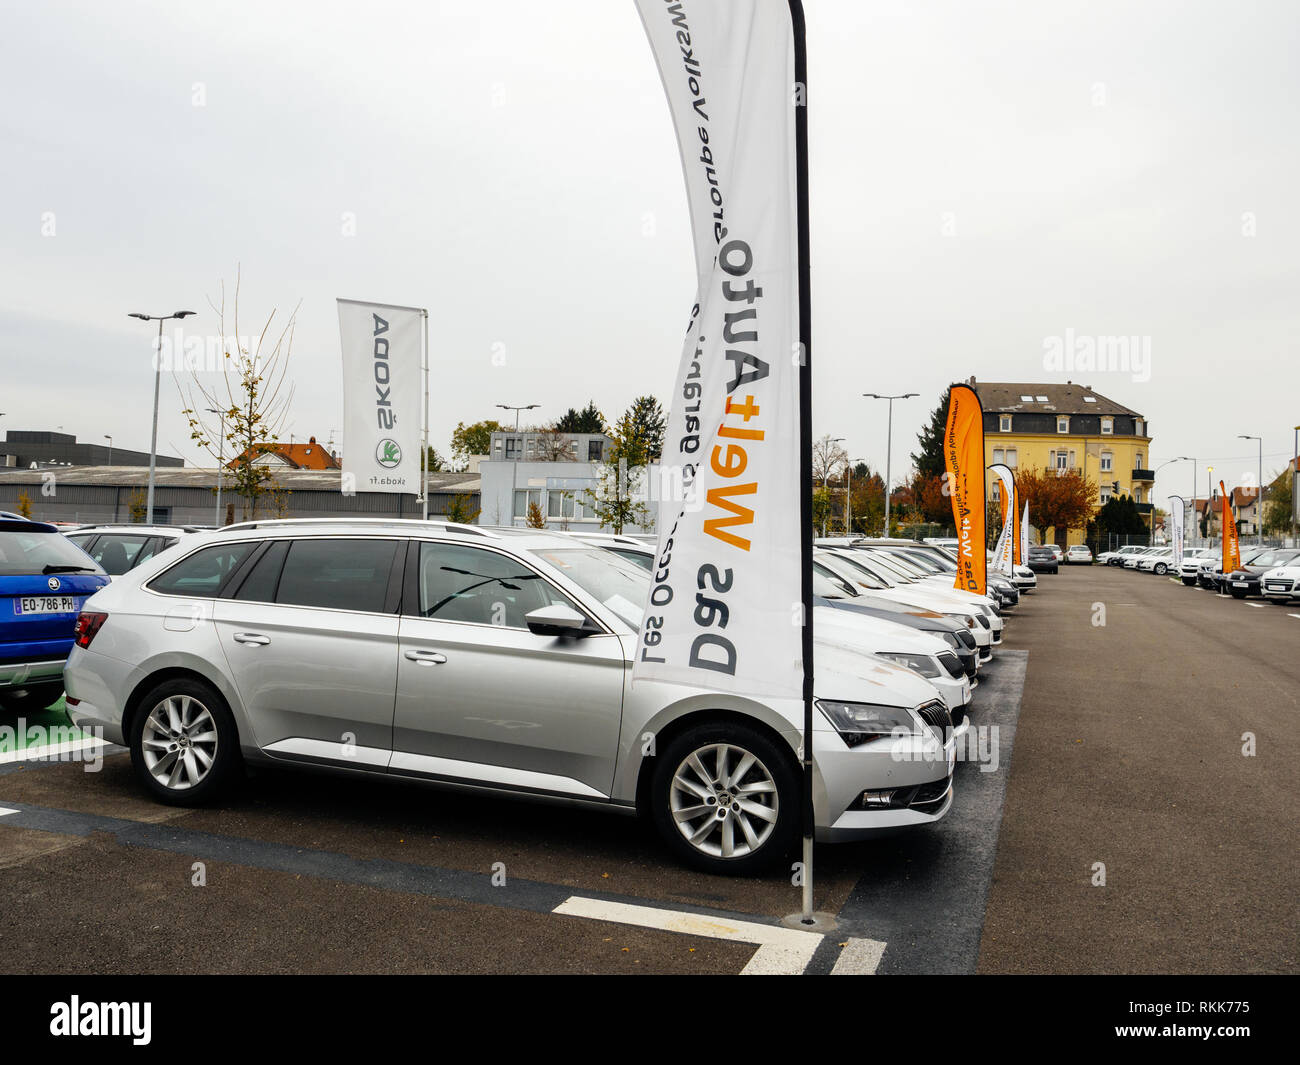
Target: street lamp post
109, 438
221, 458
1259, 490
157, 378
1209, 502
514, 467
1151, 536
889, 446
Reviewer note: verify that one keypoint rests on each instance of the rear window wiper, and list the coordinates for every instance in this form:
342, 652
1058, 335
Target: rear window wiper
68, 569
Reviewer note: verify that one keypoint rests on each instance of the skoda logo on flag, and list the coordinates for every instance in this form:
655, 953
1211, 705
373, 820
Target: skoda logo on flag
388, 454
54, 584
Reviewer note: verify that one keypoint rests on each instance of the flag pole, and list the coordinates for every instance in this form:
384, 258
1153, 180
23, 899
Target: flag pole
424, 447
800, 102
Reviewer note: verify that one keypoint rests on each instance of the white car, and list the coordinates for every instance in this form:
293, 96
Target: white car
486, 662
1026, 579
1078, 553
1157, 562
927, 656
1281, 584
1117, 557
119, 547
941, 597
1192, 558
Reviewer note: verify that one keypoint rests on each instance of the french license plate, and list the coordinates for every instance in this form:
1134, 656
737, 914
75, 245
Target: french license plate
46, 604
1240, 584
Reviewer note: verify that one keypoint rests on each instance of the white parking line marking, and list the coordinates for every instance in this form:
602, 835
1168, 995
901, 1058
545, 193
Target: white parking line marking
1293, 615
31, 754
5, 811
860, 957
781, 951
1257, 606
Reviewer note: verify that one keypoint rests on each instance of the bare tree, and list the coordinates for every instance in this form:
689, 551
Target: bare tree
251, 402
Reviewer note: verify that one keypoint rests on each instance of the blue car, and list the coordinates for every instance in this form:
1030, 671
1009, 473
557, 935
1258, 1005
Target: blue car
44, 579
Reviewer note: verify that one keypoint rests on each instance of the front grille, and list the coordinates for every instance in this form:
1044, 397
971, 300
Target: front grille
937, 717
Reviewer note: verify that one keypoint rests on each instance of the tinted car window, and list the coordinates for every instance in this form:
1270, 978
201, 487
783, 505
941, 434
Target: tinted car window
259, 586
202, 573
337, 574
27, 551
118, 552
481, 587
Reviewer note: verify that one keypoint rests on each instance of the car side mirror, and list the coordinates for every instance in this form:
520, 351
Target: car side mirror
558, 620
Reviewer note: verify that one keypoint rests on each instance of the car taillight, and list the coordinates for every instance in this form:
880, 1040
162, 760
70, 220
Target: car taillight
87, 627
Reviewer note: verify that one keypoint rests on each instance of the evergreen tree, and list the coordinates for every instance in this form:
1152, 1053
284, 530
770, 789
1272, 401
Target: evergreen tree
929, 460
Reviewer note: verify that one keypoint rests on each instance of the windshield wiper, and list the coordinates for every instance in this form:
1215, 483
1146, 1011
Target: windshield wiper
67, 569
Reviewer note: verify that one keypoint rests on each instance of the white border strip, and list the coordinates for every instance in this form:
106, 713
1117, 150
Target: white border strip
5, 811
781, 951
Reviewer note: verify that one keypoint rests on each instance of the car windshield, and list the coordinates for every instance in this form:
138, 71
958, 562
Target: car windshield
620, 585
827, 584
24, 552
863, 565
845, 569
906, 574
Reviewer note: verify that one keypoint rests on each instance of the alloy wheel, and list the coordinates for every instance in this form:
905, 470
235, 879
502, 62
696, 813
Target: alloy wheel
179, 742
724, 801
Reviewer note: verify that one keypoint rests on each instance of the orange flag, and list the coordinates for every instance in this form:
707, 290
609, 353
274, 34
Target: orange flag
1231, 546
963, 455
1016, 560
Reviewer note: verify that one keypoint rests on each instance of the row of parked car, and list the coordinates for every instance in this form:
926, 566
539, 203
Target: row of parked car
494, 661
1269, 572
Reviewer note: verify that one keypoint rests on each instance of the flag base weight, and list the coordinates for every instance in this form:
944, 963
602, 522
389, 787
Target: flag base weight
821, 922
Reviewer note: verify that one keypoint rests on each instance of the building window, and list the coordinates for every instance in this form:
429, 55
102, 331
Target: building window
593, 450
1011, 457
1107, 426
512, 447
1107, 462
1063, 424
1004, 423
1137, 462
998, 454
1140, 425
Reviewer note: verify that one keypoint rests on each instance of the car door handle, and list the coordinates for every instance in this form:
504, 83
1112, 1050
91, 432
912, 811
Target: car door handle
255, 638
426, 658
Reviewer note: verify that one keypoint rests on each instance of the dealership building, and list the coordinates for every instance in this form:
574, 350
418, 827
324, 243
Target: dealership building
187, 496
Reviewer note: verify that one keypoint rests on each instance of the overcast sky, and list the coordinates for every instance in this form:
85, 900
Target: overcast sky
984, 177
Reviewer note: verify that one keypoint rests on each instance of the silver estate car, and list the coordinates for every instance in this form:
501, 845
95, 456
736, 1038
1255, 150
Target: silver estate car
489, 660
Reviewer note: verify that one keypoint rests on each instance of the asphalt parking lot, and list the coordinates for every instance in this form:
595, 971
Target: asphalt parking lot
1126, 745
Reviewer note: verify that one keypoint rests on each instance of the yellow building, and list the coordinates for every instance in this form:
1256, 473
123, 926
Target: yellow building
1058, 428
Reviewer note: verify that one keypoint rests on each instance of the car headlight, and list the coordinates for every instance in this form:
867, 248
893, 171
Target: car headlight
950, 639
859, 723
922, 664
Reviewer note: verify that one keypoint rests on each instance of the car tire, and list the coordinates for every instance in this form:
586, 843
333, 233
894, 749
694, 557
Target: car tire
690, 764
184, 743
1160, 569
37, 697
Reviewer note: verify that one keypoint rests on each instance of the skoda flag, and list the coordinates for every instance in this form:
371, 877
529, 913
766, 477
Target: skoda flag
382, 419
963, 454
726, 599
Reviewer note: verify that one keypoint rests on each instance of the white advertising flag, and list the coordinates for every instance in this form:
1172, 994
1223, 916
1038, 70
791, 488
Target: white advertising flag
725, 604
1176, 505
1002, 554
382, 406
1024, 536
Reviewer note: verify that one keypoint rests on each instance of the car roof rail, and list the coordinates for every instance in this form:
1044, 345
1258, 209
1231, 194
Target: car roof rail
276, 523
